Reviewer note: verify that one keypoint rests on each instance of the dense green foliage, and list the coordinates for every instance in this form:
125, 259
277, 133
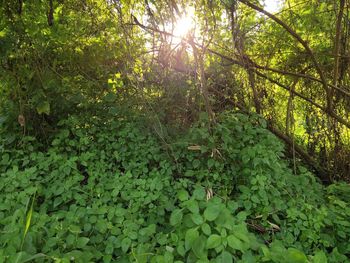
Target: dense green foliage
107, 189
123, 141
57, 57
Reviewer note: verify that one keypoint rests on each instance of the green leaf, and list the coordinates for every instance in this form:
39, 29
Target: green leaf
206, 229
213, 241
198, 247
212, 212
255, 199
320, 257
110, 97
196, 163
199, 193
174, 237
74, 229
235, 243
176, 217
241, 232
225, 257
126, 242
197, 219
182, 195
181, 250
5, 158
70, 240
192, 205
190, 236
82, 241
211, 163
25, 257
43, 107
168, 257
296, 256
28, 219
109, 249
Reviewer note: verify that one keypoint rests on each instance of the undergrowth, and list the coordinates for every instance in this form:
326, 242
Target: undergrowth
110, 190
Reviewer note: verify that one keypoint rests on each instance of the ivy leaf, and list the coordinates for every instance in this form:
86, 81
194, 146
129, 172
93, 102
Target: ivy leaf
176, 217
213, 241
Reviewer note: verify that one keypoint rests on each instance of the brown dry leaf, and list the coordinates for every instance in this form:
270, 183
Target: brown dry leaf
215, 152
274, 226
21, 120
210, 193
194, 148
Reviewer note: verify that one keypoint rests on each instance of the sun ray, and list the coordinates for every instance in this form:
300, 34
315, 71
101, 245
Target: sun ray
272, 6
183, 25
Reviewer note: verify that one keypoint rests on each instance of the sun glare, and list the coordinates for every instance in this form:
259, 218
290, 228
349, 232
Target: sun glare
183, 25
272, 6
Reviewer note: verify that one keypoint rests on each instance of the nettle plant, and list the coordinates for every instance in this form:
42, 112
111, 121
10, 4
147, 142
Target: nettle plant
107, 189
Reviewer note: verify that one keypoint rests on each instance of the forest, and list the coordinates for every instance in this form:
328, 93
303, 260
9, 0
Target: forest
175, 131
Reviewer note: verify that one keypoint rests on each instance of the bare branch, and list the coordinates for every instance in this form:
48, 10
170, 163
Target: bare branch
302, 42
244, 65
337, 44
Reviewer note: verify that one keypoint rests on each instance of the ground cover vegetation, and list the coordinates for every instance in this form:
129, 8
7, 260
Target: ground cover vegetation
174, 131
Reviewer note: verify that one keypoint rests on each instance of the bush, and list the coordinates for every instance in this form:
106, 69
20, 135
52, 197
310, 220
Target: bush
108, 190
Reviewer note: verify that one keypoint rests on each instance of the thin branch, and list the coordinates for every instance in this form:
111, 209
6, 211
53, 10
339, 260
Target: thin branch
296, 74
301, 96
244, 65
337, 44
302, 42
325, 110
